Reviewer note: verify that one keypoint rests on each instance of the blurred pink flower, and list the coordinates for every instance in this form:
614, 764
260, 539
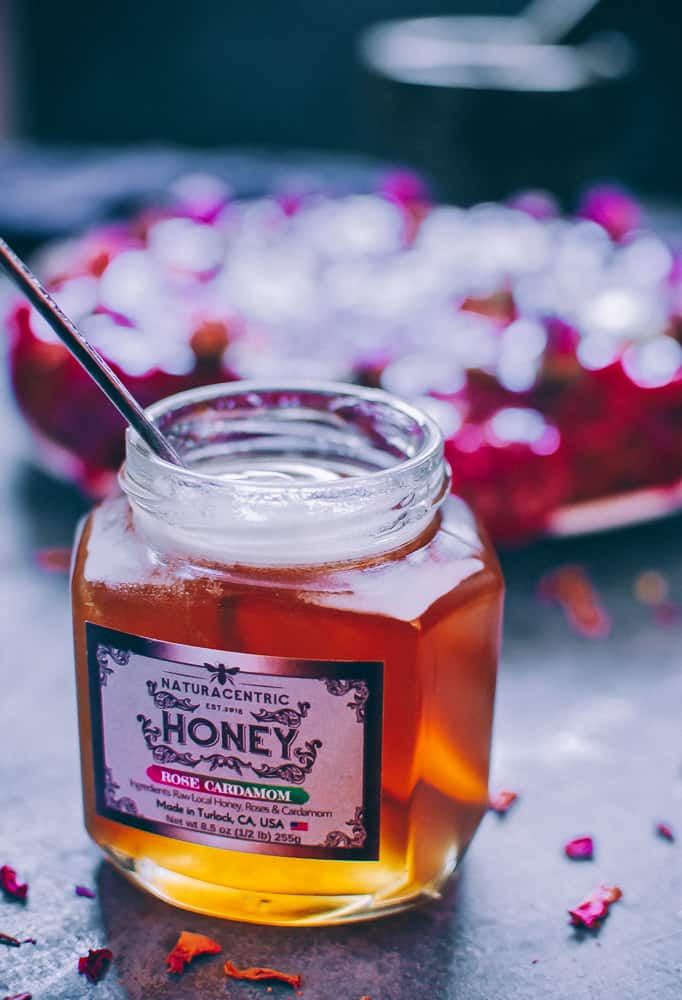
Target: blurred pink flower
405, 187
612, 208
537, 203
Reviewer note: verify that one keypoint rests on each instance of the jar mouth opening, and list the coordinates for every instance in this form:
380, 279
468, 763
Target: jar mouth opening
260, 437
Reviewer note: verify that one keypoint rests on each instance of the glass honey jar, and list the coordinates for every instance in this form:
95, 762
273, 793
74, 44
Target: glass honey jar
286, 655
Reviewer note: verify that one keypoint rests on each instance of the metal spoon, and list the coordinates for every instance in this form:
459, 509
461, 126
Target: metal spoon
95, 366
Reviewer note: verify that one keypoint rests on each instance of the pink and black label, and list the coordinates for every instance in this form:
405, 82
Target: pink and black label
232, 750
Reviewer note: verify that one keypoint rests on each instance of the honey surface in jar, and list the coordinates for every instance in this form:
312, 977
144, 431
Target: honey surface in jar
259, 793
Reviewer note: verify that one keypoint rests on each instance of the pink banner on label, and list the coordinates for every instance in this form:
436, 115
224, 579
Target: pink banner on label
195, 782
225, 789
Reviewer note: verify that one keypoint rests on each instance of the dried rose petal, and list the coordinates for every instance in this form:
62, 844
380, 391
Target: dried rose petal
664, 831
589, 913
54, 560
13, 942
258, 973
571, 589
580, 849
95, 963
82, 890
592, 911
502, 801
10, 884
187, 947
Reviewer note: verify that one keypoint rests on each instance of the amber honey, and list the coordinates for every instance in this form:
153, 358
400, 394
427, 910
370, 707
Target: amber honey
301, 742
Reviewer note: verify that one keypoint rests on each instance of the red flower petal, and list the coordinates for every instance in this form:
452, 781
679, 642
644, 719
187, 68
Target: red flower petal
258, 973
187, 947
610, 893
20, 996
54, 560
592, 911
664, 831
13, 942
571, 589
95, 963
501, 802
580, 849
10, 884
82, 890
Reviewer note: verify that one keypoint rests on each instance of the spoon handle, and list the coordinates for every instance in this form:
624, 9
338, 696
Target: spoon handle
94, 364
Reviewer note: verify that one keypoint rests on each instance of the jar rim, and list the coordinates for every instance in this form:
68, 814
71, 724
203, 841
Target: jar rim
314, 501
430, 447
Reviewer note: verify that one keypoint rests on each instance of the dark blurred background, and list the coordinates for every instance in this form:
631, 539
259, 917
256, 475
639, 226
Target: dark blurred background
270, 74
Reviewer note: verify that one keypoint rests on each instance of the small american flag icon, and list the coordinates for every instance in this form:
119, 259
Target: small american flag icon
301, 827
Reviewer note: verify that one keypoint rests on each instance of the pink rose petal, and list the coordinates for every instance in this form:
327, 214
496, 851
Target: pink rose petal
502, 801
664, 831
580, 849
592, 911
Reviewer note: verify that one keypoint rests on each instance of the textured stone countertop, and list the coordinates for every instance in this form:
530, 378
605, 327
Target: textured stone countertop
587, 731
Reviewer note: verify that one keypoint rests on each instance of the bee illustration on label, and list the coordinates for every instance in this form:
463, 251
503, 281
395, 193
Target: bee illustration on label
221, 673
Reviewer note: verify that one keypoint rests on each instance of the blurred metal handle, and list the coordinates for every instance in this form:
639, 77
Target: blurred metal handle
553, 19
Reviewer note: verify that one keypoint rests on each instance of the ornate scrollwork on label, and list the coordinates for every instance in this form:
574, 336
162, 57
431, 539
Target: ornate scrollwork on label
340, 686
162, 753
106, 653
167, 755
150, 732
295, 773
357, 836
123, 804
164, 699
285, 716
216, 760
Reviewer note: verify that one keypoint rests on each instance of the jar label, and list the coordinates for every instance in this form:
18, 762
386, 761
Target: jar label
250, 753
